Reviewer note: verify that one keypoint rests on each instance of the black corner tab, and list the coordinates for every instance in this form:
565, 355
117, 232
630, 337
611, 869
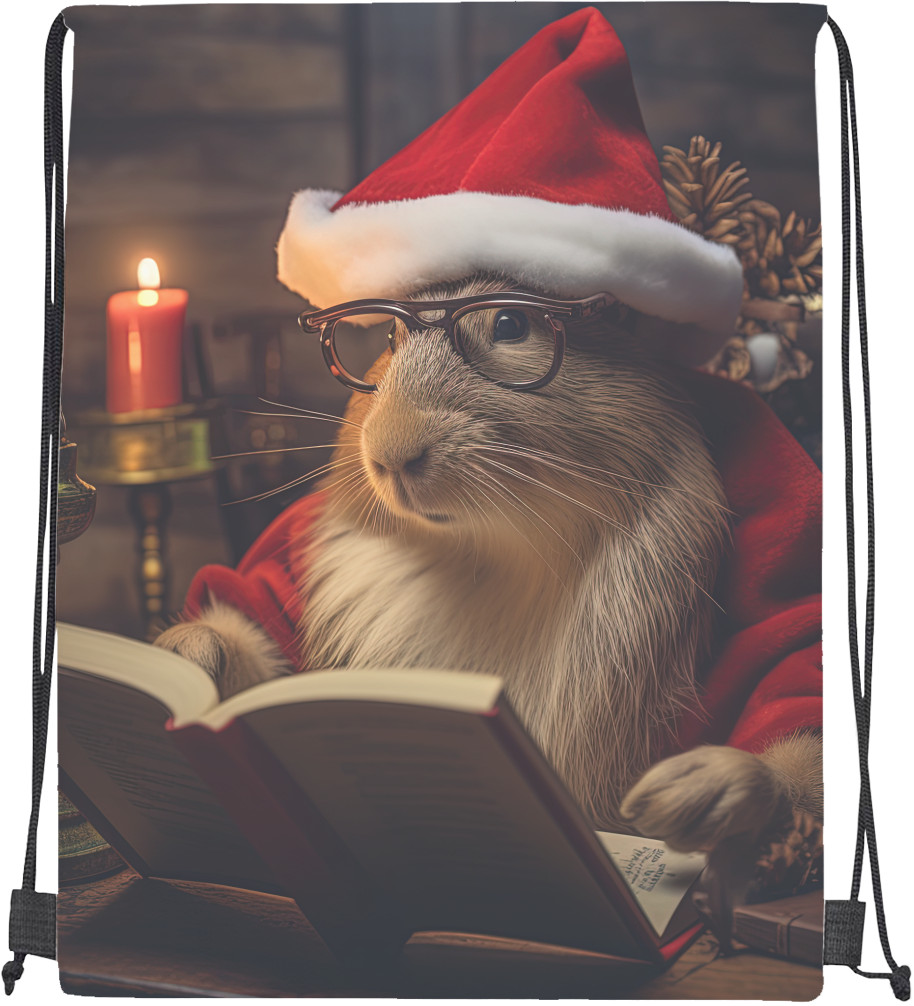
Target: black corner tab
33, 923
844, 932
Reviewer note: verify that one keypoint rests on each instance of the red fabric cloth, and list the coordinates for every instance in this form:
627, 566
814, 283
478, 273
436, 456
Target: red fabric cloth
263, 585
765, 679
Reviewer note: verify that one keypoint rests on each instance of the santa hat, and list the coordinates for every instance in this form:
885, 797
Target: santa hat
544, 173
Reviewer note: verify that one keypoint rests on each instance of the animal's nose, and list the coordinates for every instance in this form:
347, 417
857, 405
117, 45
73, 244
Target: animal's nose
406, 462
400, 438
415, 464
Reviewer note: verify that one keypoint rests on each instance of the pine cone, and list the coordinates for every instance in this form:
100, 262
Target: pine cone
706, 199
778, 259
732, 360
792, 861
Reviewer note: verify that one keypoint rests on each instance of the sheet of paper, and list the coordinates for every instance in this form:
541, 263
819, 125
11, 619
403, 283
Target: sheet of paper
658, 876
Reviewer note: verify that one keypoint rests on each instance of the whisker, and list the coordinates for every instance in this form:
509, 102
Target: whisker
462, 501
602, 516
348, 486
272, 450
348, 477
294, 415
532, 453
542, 519
525, 453
493, 485
257, 497
311, 413
375, 506
349, 493
605, 471
538, 482
467, 493
370, 505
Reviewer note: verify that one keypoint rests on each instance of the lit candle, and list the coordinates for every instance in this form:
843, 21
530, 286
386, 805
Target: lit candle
145, 334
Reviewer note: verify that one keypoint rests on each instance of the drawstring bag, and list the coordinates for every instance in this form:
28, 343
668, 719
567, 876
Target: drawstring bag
512, 685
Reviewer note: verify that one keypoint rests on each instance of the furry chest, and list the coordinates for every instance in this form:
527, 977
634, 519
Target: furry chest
375, 602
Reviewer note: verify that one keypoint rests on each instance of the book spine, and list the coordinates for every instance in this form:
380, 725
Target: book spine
793, 934
306, 856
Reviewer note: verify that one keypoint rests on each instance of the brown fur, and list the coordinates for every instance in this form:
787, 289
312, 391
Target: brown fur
584, 528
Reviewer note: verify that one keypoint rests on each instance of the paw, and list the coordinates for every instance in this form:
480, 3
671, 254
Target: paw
697, 800
198, 643
233, 650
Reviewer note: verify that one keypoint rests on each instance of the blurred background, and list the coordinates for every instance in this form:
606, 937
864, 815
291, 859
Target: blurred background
193, 125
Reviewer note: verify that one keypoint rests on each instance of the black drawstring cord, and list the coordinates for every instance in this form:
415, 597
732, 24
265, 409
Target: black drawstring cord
32, 912
900, 975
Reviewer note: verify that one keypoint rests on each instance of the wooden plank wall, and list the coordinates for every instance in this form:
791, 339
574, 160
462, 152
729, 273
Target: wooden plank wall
192, 125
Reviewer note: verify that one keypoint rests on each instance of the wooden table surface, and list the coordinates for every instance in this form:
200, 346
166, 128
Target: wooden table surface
124, 935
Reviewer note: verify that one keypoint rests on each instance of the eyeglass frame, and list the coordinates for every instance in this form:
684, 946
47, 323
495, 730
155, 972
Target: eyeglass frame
556, 313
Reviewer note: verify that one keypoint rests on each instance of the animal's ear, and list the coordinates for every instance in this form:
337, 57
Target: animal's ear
687, 344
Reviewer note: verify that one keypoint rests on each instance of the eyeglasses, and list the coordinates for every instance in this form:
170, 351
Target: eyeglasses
516, 340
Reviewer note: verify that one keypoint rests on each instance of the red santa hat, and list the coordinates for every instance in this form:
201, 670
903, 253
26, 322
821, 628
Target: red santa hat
544, 173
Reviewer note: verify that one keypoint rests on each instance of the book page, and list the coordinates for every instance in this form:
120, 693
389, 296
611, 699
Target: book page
410, 686
659, 876
442, 820
181, 686
112, 743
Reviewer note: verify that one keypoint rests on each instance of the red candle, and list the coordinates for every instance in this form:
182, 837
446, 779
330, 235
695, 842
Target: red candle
145, 334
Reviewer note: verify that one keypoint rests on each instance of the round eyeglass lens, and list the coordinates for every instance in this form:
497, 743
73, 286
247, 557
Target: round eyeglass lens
360, 340
512, 345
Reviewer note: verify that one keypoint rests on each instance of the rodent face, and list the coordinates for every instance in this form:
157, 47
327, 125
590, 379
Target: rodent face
444, 449
433, 413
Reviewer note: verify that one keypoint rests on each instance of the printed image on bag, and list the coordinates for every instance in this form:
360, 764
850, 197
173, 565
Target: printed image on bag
439, 502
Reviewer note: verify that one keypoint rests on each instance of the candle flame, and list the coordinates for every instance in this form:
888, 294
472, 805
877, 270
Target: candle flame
147, 274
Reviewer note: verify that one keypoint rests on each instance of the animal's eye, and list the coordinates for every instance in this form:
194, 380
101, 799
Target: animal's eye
510, 326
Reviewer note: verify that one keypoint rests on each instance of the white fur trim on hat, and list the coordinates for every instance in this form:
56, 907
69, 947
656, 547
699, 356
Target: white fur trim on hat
392, 249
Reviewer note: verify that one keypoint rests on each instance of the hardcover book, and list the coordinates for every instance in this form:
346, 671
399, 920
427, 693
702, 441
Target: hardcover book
386, 802
789, 927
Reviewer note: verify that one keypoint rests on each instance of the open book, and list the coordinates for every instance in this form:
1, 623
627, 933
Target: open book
385, 802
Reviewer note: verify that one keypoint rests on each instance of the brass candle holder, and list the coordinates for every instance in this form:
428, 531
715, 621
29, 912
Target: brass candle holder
146, 451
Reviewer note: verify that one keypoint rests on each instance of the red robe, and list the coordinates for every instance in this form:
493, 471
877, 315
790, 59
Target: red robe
765, 677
